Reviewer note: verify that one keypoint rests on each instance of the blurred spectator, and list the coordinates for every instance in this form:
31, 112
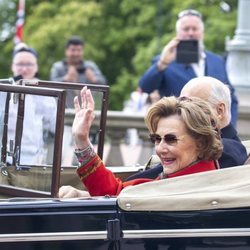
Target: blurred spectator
74, 68
39, 111
138, 103
169, 75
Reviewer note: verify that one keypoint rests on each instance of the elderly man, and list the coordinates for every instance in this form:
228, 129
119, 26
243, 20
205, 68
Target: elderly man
218, 95
169, 76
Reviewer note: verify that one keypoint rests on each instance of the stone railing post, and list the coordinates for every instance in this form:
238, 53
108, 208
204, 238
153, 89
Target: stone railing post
118, 122
147, 148
238, 60
115, 135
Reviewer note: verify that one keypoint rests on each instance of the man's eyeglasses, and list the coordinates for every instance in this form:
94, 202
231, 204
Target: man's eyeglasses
169, 139
26, 65
189, 12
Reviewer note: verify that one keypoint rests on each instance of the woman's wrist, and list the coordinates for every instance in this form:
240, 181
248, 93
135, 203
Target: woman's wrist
81, 142
85, 155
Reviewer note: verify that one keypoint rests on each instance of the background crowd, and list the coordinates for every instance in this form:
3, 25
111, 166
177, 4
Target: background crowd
121, 36
165, 77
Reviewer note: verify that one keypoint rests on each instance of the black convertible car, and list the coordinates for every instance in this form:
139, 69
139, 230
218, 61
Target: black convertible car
208, 210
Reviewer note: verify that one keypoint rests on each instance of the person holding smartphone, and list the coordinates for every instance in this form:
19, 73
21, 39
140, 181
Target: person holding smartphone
169, 75
74, 68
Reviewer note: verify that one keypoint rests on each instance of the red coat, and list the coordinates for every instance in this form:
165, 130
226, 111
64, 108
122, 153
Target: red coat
100, 181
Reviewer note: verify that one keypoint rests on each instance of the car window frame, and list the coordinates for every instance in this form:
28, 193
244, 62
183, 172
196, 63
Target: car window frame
56, 89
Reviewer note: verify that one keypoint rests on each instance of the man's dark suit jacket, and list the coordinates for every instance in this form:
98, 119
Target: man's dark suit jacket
171, 80
234, 154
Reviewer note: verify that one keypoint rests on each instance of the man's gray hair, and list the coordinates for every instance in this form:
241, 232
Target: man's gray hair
220, 92
177, 25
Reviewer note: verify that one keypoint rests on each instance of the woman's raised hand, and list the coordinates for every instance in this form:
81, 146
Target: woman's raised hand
84, 116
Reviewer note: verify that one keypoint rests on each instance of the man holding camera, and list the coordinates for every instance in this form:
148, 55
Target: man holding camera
169, 75
75, 69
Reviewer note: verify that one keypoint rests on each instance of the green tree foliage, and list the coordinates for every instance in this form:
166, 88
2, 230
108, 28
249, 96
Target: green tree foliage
7, 22
121, 36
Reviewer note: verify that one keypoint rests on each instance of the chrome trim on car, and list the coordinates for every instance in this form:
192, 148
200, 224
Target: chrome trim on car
127, 234
91, 235
182, 233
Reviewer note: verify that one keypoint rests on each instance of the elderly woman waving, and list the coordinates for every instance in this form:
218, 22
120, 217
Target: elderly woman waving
183, 130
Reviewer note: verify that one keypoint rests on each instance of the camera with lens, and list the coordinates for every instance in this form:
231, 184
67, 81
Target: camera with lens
81, 69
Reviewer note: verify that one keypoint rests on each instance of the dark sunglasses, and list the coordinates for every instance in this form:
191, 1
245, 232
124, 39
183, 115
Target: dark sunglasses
169, 139
189, 12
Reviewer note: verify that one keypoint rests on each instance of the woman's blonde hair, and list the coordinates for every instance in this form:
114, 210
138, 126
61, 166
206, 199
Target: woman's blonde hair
198, 117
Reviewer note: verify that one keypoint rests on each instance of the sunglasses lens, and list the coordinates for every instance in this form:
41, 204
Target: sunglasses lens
168, 139
155, 139
171, 139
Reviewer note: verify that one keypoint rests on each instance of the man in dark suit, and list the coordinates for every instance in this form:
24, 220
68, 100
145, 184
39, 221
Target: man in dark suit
218, 95
169, 76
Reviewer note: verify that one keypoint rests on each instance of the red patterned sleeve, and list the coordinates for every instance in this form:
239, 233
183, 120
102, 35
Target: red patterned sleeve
98, 179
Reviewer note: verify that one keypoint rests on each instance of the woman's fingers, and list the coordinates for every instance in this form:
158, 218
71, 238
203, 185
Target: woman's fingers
84, 116
90, 100
67, 192
87, 99
76, 104
71, 192
83, 97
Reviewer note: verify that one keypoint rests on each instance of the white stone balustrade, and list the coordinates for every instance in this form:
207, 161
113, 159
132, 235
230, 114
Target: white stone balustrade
118, 122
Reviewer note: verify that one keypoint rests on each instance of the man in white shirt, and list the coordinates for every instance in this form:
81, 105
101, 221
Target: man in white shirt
39, 111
